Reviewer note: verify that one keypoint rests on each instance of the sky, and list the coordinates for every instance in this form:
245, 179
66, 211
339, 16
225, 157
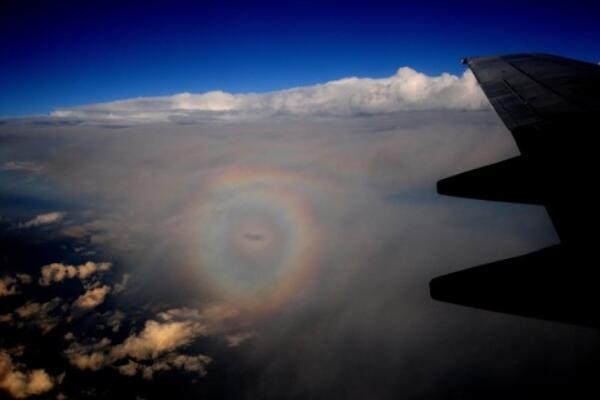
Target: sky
72, 53
239, 202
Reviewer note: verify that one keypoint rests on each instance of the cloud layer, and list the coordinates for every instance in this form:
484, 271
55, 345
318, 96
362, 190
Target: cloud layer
405, 91
359, 323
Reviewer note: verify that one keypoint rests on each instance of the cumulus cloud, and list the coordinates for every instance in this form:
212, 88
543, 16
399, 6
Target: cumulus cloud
188, 363
57, 272
43, 315
43, 219
90, 356
406, 90
9, 285
157, 346
92, 297
156, 338
19, 382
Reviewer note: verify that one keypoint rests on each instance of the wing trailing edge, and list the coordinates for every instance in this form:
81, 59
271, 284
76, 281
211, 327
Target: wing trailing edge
545, 284
511, 180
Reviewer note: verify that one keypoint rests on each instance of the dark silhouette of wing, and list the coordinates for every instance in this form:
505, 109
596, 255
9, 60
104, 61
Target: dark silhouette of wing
551, 105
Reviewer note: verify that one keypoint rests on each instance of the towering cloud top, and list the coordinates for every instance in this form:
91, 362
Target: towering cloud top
405, 91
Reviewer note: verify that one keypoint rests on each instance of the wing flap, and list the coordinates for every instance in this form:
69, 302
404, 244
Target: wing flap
544, 284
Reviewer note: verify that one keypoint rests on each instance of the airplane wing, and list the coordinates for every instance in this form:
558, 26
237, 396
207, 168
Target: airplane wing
551, 105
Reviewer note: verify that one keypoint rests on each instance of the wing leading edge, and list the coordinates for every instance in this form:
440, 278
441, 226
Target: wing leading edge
551, 105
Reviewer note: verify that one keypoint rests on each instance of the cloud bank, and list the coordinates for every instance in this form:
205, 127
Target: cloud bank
407, 90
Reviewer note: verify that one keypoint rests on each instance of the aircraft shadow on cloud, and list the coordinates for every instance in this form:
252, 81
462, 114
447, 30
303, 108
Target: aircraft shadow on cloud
551, 105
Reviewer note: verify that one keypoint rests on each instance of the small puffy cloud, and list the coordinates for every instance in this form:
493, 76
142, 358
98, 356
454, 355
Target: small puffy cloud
90, 356
157, 347
92, 361
43, 219
44, 315
92, 297
129, 369
9, 285
57, 272
89, 268
183, 362
156, 338
406, 90
20, 382
29, 309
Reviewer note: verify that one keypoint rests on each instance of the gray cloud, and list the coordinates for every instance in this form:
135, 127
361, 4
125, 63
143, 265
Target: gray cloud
25, 166
43, 219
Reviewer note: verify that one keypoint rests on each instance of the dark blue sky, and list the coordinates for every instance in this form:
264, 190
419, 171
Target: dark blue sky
67, 53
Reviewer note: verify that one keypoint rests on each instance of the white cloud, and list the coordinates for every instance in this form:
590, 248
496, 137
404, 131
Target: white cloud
92, 297
404, 91
43, 219
21, 383
57, 272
